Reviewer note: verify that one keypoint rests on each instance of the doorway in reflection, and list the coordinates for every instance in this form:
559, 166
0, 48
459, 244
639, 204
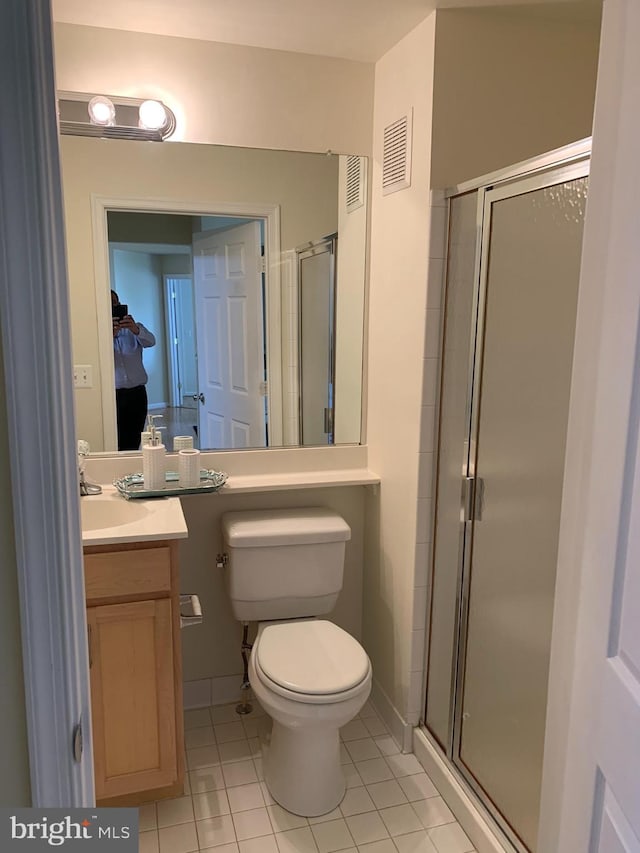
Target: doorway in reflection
197, 282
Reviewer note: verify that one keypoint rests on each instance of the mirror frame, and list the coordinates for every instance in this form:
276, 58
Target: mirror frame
270, 214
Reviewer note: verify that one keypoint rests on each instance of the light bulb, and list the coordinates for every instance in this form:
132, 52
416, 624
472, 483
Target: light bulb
153, 115
101, 110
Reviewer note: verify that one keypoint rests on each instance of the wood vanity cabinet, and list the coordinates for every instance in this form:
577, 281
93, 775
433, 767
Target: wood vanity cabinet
133, 616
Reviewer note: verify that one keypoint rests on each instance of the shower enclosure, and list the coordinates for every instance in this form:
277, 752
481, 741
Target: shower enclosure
510, 307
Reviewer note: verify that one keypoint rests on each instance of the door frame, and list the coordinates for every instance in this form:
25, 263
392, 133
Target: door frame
270, 214
175, 398
566, 163
486, 198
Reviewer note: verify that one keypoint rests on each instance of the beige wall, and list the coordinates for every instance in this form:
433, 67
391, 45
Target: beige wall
223, 93
509, 85
397, 317
15, 778
303, 184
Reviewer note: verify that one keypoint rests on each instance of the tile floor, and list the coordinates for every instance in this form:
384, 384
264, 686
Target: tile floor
391, 805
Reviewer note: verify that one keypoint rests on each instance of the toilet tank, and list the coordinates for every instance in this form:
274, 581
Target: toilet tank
284, 563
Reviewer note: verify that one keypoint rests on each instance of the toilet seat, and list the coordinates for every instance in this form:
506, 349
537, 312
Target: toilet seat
312, 661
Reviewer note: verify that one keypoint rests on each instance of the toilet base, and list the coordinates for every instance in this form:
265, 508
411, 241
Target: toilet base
303, 771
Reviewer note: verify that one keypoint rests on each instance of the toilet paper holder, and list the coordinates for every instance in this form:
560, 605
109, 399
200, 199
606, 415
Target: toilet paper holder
190, 610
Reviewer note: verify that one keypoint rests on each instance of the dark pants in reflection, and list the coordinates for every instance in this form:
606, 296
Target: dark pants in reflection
131, 409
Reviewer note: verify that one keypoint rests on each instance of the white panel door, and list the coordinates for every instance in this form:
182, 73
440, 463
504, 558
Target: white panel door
227, 269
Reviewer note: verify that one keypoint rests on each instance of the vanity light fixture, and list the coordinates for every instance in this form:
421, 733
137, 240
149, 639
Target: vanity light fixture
101, 111
83, 114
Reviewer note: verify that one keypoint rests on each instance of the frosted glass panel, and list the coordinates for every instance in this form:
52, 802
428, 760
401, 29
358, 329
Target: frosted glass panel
454, 430
316, 352
532, 285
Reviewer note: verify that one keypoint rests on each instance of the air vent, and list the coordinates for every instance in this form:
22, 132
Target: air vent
355, 182
396, 156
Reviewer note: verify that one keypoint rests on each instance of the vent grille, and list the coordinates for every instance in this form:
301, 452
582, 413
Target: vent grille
396, 156
355, 182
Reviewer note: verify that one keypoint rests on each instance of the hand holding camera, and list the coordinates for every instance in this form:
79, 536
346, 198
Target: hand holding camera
123, 320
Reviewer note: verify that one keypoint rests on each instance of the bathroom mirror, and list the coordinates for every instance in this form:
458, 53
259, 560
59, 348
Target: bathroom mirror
224, 254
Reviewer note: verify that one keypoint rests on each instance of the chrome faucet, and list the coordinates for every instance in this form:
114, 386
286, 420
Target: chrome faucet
85, 487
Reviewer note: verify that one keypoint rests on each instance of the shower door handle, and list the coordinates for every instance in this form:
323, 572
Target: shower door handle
472, 498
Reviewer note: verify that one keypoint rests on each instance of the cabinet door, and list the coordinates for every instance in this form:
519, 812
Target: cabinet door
132, 697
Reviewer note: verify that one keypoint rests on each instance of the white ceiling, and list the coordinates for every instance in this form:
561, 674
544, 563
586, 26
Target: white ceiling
361, 30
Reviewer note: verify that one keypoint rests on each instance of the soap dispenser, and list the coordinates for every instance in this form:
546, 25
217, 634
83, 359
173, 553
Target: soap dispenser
153, 457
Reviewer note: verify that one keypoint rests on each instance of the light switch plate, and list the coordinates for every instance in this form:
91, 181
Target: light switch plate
82, 376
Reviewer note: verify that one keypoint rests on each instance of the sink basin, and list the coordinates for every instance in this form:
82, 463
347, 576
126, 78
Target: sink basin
100, 512
109, 519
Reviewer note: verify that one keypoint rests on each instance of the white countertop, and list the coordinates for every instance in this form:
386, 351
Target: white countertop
109, 519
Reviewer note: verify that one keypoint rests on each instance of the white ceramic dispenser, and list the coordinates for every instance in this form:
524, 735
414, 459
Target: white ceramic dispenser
154, 458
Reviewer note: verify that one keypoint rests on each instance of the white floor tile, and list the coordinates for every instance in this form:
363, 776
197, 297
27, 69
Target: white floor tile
351, 776
239, 750
404, 765
282, 820
242, 798
375, 726
202, 736
148, 842
210, 804
386, 794
354, 730
250, 726
206, 779
239, 773
361, 750
147, 817
384, 846
400, 820
197, 717
226, 732
263, 844
332, 835
224, 714
171, 812
433, 812
268, 799
259, 765
368, 710
366, 828
356, 801
418, 787
415, 842
345, 758
296, 841
374, 770
334, 814
178, 839
203, 756
251, 824
215, 831
450, 839
224, 848
387, 745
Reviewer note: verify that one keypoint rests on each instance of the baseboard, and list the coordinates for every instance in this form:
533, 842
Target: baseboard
204, 692
397, 725
484, 837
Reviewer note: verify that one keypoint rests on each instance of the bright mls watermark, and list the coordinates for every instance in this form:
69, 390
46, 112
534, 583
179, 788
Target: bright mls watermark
73, 830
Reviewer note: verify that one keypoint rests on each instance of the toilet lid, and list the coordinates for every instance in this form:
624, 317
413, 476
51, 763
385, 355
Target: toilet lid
312, 657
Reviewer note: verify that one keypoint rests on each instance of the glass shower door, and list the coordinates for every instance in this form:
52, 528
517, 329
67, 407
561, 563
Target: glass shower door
527, 308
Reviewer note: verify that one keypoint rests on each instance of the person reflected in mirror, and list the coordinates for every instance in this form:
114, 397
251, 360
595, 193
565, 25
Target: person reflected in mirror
129, 339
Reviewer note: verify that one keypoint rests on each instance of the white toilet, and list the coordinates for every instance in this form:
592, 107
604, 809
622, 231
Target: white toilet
284, 568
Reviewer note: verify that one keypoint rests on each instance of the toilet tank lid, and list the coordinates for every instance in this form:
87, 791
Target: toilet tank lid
301, 526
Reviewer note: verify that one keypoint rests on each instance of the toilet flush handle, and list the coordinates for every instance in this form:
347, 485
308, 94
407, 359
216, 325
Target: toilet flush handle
221, 560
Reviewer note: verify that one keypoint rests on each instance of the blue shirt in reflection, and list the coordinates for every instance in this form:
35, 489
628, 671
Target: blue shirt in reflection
127, 354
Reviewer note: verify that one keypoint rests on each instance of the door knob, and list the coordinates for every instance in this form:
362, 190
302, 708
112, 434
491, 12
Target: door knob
199, 396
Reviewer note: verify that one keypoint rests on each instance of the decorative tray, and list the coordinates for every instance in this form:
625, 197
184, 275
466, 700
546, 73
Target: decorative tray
132, 485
